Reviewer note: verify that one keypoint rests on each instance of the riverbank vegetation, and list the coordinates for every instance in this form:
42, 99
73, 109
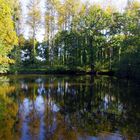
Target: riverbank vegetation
78, 37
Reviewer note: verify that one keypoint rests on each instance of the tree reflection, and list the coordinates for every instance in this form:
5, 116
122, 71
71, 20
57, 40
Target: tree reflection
68, 107
8, 110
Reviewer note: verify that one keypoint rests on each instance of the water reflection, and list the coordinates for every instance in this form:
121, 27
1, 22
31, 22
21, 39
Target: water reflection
68, 108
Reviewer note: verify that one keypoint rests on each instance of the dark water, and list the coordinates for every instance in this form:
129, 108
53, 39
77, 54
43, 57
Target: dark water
40, 107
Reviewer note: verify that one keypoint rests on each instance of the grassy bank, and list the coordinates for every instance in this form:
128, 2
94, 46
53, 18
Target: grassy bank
134, 75
47, 70
56, 70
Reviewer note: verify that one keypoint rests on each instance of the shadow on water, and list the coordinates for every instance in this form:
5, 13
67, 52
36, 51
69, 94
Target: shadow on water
39, 107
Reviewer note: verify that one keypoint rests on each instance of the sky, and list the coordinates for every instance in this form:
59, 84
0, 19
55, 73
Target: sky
119, 4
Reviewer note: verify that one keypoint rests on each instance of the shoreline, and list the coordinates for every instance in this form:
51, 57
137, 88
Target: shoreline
28, 71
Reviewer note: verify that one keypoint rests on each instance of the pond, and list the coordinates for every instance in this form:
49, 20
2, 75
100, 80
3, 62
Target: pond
58, 107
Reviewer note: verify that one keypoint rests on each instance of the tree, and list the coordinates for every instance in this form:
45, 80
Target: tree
17, 16
8, 36
34, 21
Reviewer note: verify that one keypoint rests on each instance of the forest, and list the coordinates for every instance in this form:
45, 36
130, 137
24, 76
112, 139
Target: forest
78, 37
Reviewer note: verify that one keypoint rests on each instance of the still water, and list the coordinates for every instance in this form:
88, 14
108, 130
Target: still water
39, 107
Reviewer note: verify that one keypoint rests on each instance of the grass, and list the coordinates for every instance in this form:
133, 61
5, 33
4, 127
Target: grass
47, 70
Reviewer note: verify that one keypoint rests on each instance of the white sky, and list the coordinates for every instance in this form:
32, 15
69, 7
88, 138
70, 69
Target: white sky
119, 4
